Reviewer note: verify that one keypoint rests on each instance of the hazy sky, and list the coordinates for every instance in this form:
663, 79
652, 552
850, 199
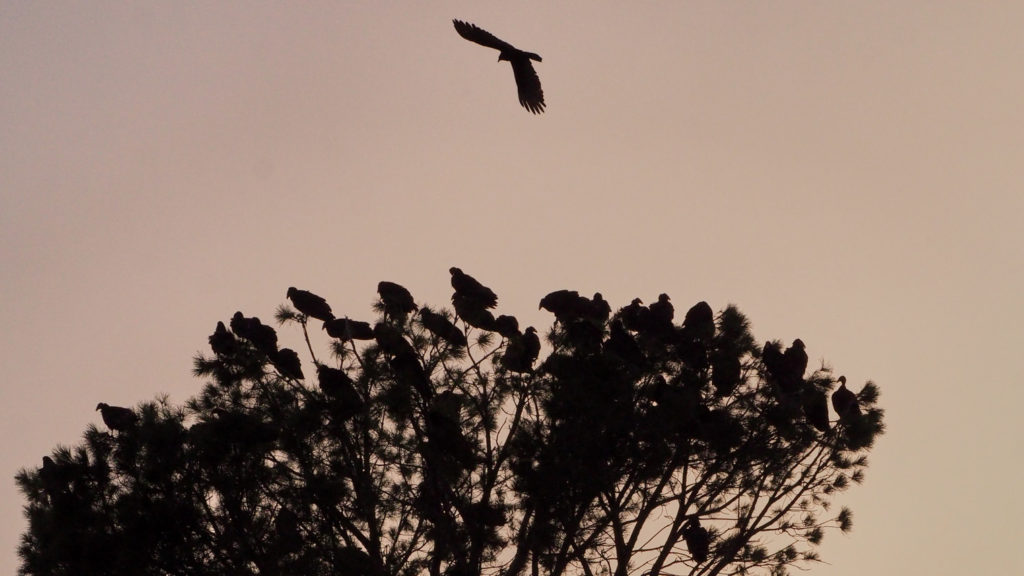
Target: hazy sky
848, 173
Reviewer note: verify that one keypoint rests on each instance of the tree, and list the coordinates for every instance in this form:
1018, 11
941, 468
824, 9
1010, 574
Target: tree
636, 446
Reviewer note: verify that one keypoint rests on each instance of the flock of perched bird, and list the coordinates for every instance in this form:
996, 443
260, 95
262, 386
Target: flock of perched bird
583, 320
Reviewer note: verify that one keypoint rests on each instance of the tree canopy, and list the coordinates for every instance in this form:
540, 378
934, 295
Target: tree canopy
433, 442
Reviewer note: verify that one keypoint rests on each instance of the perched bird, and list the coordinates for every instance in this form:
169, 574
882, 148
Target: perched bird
662, 312
116, 417
262, 337
472, 313
726, 372
442, 327
530, 94
700, 322
408, 370
771, 357
507, 326
391, 341
396, 299
844, 401
564, 304
599, 310
621, 344
287, 363
310, 304
337, 385
222, 342
698, 540
472, 291
346, 329
522, 352
795, 358
815, 407
635, 316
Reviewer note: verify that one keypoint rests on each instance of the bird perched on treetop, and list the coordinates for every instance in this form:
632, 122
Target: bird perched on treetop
530, 94
472, 291
845, 402
310, 304
116, 417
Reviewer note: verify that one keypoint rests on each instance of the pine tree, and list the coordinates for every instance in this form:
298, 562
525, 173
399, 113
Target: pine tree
634, 446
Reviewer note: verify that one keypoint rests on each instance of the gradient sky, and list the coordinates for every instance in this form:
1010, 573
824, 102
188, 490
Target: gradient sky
847, 173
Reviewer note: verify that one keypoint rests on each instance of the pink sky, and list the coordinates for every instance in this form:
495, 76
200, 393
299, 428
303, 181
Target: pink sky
847, 173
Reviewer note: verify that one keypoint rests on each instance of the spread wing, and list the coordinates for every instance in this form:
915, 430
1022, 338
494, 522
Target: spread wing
482, 37
530, 94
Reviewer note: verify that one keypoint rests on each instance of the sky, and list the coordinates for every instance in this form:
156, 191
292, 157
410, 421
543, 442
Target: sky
847, 173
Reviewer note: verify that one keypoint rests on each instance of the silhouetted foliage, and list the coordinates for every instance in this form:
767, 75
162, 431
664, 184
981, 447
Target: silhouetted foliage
427, 446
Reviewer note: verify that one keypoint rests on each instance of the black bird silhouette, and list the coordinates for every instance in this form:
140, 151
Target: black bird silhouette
116, 417
310, 304
635, 316
815, 407
396, 298
287, 363
845, 402
507, 326
347, 329
442, 328
522, 352
662, 312
262, 337
222, 342
530, 94
698, 540
472, 291
564, 304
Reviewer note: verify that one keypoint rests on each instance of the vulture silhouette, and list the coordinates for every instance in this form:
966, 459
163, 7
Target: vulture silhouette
310, 304
844, 401
346, 329
222, 342
530, 94
698, 540
564, 304
472, 313
522, 352
635, 316
598, 309
397, 299
662, 312
287, 363
442, 327
336, 384
472, 291
263, 337
700, 322
507, 326
621, 344
815, 407
117, 418
795, 359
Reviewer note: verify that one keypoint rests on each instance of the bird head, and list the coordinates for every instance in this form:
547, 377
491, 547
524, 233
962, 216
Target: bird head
102, 405
842, 381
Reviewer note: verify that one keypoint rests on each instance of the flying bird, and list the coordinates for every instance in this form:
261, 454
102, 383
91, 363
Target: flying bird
530, 94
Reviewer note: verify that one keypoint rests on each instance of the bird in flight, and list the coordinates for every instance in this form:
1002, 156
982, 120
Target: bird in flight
530, 94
